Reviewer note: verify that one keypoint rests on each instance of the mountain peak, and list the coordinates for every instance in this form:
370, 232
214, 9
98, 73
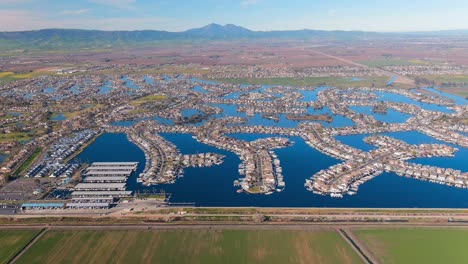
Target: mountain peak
214, 30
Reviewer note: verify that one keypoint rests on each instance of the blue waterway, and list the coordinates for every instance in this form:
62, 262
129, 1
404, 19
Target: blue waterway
311, 96
214, 186
229, 110
149, 80
392, 80
458, 99
200, 90
130, 83
392, 116
106, 88
59, 117
203, 81
49, 90
338, 120
357, 79
3, 157
459, 161
357, 141
257, 119
190, 112
75, 89
114, 148
391, 97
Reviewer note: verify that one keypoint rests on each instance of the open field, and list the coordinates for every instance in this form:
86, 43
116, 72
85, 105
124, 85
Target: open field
11, 76
439, 79
29, 160
12, 241
5, 74
416, 245
460, 91
191, 246
148, 99
453, 84
167, 243
86, 110
392, 62
14, 136
379, 81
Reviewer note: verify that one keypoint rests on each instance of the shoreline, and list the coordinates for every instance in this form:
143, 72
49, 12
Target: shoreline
85, 146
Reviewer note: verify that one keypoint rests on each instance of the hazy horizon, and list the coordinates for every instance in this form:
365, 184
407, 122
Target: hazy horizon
257, 15
221, 24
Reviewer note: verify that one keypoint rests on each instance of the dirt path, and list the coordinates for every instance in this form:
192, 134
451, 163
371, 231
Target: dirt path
365, 255
29, 245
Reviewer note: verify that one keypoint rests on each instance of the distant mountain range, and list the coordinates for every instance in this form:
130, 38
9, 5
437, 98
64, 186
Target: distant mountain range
77, 38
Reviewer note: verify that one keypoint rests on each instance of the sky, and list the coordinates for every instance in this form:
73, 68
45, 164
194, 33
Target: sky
179, 15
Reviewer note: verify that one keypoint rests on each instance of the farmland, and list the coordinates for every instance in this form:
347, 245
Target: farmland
11, 76
313, 81
230, 244
453, 84
29, 160
14, 136
191, 246
411, 245
148, 99
392, 62
12, 241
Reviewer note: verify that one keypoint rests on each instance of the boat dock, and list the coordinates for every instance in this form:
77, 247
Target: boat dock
103, 183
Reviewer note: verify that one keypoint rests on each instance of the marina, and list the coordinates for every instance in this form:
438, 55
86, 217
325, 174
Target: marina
387, 190
102, 185
245, 140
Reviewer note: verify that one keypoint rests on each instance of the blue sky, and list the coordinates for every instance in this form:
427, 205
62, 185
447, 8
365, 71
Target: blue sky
178, 15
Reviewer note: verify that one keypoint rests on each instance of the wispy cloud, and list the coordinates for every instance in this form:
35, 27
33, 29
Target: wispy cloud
11, 19
18, 20
75, 12
12, 2
121, 4
250, 2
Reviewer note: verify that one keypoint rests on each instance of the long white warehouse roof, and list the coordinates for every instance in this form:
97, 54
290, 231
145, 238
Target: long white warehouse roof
100, 186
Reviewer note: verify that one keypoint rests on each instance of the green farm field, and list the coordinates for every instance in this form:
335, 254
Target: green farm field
191, 246
12, 241
458, 83
392, 62
379, 81
416, 245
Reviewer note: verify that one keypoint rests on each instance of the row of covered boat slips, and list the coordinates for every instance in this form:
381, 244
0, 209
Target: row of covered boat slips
100, 187
103, 183
98, 195
105, 179
132, 165
115, 171
109, 173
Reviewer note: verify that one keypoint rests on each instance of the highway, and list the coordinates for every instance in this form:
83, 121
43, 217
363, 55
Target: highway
400, 79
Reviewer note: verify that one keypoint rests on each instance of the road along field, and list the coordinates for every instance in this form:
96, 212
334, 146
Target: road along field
12, 241
191, 246
415, 245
